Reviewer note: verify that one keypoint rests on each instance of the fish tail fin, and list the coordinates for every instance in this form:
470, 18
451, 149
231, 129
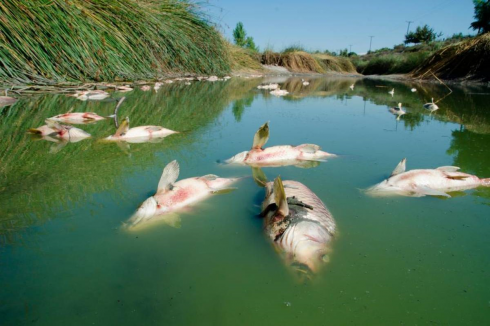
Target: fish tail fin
485, 182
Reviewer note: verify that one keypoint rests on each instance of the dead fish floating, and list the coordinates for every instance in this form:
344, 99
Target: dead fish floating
398, 111
299, 225
277, 155
139, 134
426, 182
6, 101
54, 129
431, 106
173, 195
92, 95
77, 117
279, 92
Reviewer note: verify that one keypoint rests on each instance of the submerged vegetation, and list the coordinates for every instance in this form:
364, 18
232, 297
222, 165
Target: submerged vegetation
86, 40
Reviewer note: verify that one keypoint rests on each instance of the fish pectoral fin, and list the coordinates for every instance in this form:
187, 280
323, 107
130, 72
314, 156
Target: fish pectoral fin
209, 177
448, 168
400, 168
123, 128
222, 191
424, 190
261, 136
259, 176
169, 176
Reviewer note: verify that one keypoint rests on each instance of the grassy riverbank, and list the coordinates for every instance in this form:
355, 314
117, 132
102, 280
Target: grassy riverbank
401, 59
86, 40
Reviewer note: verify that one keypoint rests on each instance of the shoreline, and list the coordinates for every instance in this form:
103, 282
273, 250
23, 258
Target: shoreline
266, 72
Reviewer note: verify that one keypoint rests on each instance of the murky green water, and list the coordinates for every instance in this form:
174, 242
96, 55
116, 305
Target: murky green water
64, 259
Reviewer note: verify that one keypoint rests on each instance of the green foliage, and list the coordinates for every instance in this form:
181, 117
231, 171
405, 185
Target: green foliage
250, 44
423, 34
84, 40
239, 35
294, 48
482, 16
391, 63
242, 40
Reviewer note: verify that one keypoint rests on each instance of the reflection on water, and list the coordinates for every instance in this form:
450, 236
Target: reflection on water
414, 260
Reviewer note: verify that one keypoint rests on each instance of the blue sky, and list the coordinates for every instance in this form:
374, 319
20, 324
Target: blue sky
334, 25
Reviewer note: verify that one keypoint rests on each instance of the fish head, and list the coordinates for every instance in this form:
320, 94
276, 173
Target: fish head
384, 188
147, 210
238, 158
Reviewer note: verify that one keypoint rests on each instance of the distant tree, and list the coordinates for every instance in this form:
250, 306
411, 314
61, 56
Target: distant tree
239, 35
250, 44
344, 53
241, 39
350, 54
423, 34
482, 16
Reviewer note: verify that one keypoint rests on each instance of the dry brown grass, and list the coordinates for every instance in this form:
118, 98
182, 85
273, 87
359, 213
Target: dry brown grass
243, 60
337, 64
467, 60
298, 61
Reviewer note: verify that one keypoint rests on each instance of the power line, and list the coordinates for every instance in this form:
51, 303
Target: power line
408, 28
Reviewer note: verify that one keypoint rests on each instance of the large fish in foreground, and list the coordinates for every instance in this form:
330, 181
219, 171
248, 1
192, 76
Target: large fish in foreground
278, 155
139, 134
423, 182
299, 224
173, 195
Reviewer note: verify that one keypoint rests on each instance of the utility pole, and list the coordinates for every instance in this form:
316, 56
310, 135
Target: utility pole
370, 43
350, 48
408, 28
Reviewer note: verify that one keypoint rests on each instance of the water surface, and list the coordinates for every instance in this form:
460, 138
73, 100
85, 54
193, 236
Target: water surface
65, 260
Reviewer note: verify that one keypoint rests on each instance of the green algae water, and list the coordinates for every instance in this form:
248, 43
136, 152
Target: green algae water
66, 260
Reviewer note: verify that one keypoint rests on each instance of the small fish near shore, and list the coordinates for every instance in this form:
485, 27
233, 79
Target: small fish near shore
91, 95
56, 130
426, 182
7, 100
77, 117
299, 225
301, 155
173, 196
140, 134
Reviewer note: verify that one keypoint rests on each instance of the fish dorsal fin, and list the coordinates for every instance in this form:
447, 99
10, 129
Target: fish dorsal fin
309, 148
448, 168
261, 136
123, 128
400, 168
280, 197
169, 176
210, 177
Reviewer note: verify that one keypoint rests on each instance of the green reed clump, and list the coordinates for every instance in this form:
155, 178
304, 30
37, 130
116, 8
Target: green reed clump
52, 41
391, 63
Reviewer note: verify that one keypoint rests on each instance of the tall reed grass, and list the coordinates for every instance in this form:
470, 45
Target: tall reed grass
53, 41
